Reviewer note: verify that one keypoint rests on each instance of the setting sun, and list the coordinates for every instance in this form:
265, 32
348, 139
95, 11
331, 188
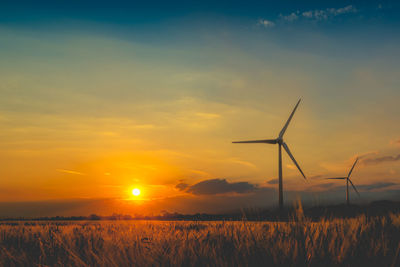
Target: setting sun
136, 192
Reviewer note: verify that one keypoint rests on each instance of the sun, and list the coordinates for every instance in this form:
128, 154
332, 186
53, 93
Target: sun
136, 192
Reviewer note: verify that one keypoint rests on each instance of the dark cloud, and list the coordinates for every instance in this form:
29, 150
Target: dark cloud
220, 186
378, 160
369, 187
273, 181
181, 186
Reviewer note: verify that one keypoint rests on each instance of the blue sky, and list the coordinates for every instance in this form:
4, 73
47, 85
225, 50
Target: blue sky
122, 10
109, 95
133, 13
362, 25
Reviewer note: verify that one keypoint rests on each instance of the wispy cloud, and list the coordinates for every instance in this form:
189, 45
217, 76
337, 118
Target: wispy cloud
265, 23
364, 155
316, 176
378, 160
343, 10
325, 14
291, 166
380, 185
242, 162
70, 172
345, 165
111, 186
310, 15
291, 17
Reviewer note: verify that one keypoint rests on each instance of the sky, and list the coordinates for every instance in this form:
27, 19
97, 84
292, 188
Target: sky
100, 97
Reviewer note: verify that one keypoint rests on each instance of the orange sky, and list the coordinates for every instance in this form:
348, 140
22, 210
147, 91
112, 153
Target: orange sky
86, 115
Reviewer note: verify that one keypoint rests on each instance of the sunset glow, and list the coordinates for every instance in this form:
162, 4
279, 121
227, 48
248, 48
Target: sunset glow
200, 133
97, 100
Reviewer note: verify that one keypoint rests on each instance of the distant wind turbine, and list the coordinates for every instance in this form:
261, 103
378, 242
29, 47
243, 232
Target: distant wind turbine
281, 143
347, 183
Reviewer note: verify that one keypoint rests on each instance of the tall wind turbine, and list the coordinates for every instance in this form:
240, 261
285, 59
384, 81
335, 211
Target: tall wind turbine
347, 183
280, 143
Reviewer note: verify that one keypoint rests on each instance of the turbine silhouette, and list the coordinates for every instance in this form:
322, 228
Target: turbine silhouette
281, 143
347, 183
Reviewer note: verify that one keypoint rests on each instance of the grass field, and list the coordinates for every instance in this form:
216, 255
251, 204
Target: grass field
359, 241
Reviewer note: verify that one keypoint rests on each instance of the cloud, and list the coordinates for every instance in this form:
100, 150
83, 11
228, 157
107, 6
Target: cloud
316, 176
379, 160
70, 172
219, 186
343, 10
291, 17
291, 166
242, 162
266, 23
378, 185
344, 165
324, 14
181, 186
364, 155
318, 14
314, 15
273, 181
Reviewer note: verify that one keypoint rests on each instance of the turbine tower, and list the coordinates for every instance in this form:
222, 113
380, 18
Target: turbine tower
280, 143
347, 183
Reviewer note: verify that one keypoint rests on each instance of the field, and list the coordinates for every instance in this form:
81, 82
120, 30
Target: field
359, 241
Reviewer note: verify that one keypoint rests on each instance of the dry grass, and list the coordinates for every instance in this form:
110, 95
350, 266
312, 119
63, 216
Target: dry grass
336, 242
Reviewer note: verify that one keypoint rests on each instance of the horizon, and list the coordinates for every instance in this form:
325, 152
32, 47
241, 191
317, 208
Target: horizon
314, 212
99, 100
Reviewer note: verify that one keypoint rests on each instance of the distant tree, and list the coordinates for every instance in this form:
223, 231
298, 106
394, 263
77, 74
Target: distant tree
94, 217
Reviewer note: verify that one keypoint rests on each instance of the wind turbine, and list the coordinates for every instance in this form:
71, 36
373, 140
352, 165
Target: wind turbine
347, 182
280, 143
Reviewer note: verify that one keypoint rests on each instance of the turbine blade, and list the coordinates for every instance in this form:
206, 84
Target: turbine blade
338, 178
288, 121
267, 141
355, 189
351, 170
291, 156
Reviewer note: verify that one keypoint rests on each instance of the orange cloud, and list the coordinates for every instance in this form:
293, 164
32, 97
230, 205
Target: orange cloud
70, 172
